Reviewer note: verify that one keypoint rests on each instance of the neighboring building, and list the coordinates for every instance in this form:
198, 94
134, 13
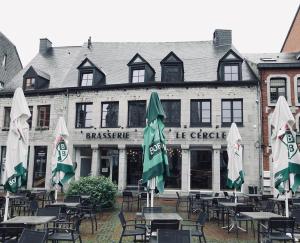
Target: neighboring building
10, 63
102, 90
280, 76
292, 40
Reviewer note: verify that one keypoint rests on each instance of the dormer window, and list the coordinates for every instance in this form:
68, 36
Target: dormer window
90, 74
230, 67
35, 79
172, 69
140, 70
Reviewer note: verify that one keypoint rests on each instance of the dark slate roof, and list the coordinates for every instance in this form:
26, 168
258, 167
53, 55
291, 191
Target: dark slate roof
200, 60
13, 62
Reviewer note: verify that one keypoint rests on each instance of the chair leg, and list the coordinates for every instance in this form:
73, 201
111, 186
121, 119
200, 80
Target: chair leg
92, 225
204, 237
96, 222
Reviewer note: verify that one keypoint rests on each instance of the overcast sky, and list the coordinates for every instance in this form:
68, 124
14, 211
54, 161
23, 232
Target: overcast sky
257, 25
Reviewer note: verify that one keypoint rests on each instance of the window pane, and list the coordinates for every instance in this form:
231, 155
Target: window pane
172, 111
227, 77
227, 69
223, 169
234, 77
40, 162
226, 105
110, 111
6, 117
138, 75
174, 160
206, 105
134, 165
136, 113
43, 116
234, 69
87, 79
237, 105
83, 115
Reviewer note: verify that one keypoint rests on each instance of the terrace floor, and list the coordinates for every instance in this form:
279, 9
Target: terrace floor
109, 227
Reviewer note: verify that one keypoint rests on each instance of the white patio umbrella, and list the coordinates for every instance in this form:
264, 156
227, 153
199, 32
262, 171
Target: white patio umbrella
285, 153
15, 174
235, 177
61, 162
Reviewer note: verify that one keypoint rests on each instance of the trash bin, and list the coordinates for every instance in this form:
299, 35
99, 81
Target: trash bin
252, 189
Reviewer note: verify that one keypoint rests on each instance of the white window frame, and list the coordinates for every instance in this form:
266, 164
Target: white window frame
288, 87
295, 89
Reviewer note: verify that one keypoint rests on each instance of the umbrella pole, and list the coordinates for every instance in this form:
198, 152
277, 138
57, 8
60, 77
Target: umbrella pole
152, 198
6, 206
55, 195
286, 205
235, 198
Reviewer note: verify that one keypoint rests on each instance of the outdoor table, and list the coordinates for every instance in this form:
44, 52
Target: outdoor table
228, 206
162, 216
207, 200
66, 204
260, 217
31, 221
253, 195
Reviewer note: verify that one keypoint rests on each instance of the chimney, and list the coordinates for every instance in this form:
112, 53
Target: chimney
222, 37
45, 45
89, 42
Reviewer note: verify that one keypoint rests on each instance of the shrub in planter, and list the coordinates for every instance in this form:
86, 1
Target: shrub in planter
102, 190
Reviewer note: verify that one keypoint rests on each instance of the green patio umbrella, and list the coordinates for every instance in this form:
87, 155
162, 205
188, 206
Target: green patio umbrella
15, 174
155, 164
285, 152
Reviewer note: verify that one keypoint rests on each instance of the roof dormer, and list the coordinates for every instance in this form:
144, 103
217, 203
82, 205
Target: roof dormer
230, 67
34, 78
140, 70
172, 69
89, 74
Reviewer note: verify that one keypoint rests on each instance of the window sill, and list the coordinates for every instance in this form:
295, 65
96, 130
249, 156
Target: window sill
5, 129
229, 125
200, 125
41, 128
84, 127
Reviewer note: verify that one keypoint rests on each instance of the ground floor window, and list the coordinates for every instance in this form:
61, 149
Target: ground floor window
85, 161
109, 163
174, 159
134, 165
2, 159
40, 162
223, 169
201, 169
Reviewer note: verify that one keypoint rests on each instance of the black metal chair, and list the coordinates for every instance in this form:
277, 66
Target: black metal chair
66, 231
49, 198
129, 199
33, 207
182, 199
89, 212
266, 206
195, 204
10, 232
238, 217
174, 236
163, 224
142, 198
279, 229
197, 226
30, 236
131, 229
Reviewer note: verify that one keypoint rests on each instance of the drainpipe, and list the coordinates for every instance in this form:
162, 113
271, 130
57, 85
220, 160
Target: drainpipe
260, 138
67, 107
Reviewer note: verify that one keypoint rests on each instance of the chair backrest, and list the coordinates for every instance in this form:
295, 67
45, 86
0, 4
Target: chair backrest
49, 211
202, 218
144, 195
51, 196
9, 231
164, 224
127, 194
226, 194
282, 224
244, 208
296, 215
152, 210
33, 206
30, 236
269, 206
217, 194
122, 219
174, 236
73, 199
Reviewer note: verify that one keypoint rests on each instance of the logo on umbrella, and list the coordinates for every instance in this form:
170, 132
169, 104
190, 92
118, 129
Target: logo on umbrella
62, 150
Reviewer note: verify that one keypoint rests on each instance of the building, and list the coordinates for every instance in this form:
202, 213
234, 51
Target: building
10, 63
102, 90
280, 76
292, 39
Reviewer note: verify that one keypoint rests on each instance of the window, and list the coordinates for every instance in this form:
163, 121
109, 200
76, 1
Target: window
4, 60
6, 122
172, 111
87, 79
138, 75
39, 168
232, 111
200, 113
29, 121
43, 116
29, 83
174, 159
201, 169
137, 113
231, 72
298, 89
172, 69
84, 115
110, 112
2, 160
134, 165
277, 88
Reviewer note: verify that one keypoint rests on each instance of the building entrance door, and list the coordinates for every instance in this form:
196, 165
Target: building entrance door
106, 166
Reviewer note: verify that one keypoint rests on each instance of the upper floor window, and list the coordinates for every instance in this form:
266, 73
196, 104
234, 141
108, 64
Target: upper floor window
4, 60
277, 88
43, 118
84, 115
200, 113
110, 113
34, 78
86, 79
172, 69
29, 121
232, 111
172, 111
90, 74
140, 70
230, 67
29, 83
6, 121
137, 113
298, 90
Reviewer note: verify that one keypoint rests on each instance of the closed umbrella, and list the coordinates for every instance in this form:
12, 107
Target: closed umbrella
15, 174
62, 166
155, 164
285, 153
235, 177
